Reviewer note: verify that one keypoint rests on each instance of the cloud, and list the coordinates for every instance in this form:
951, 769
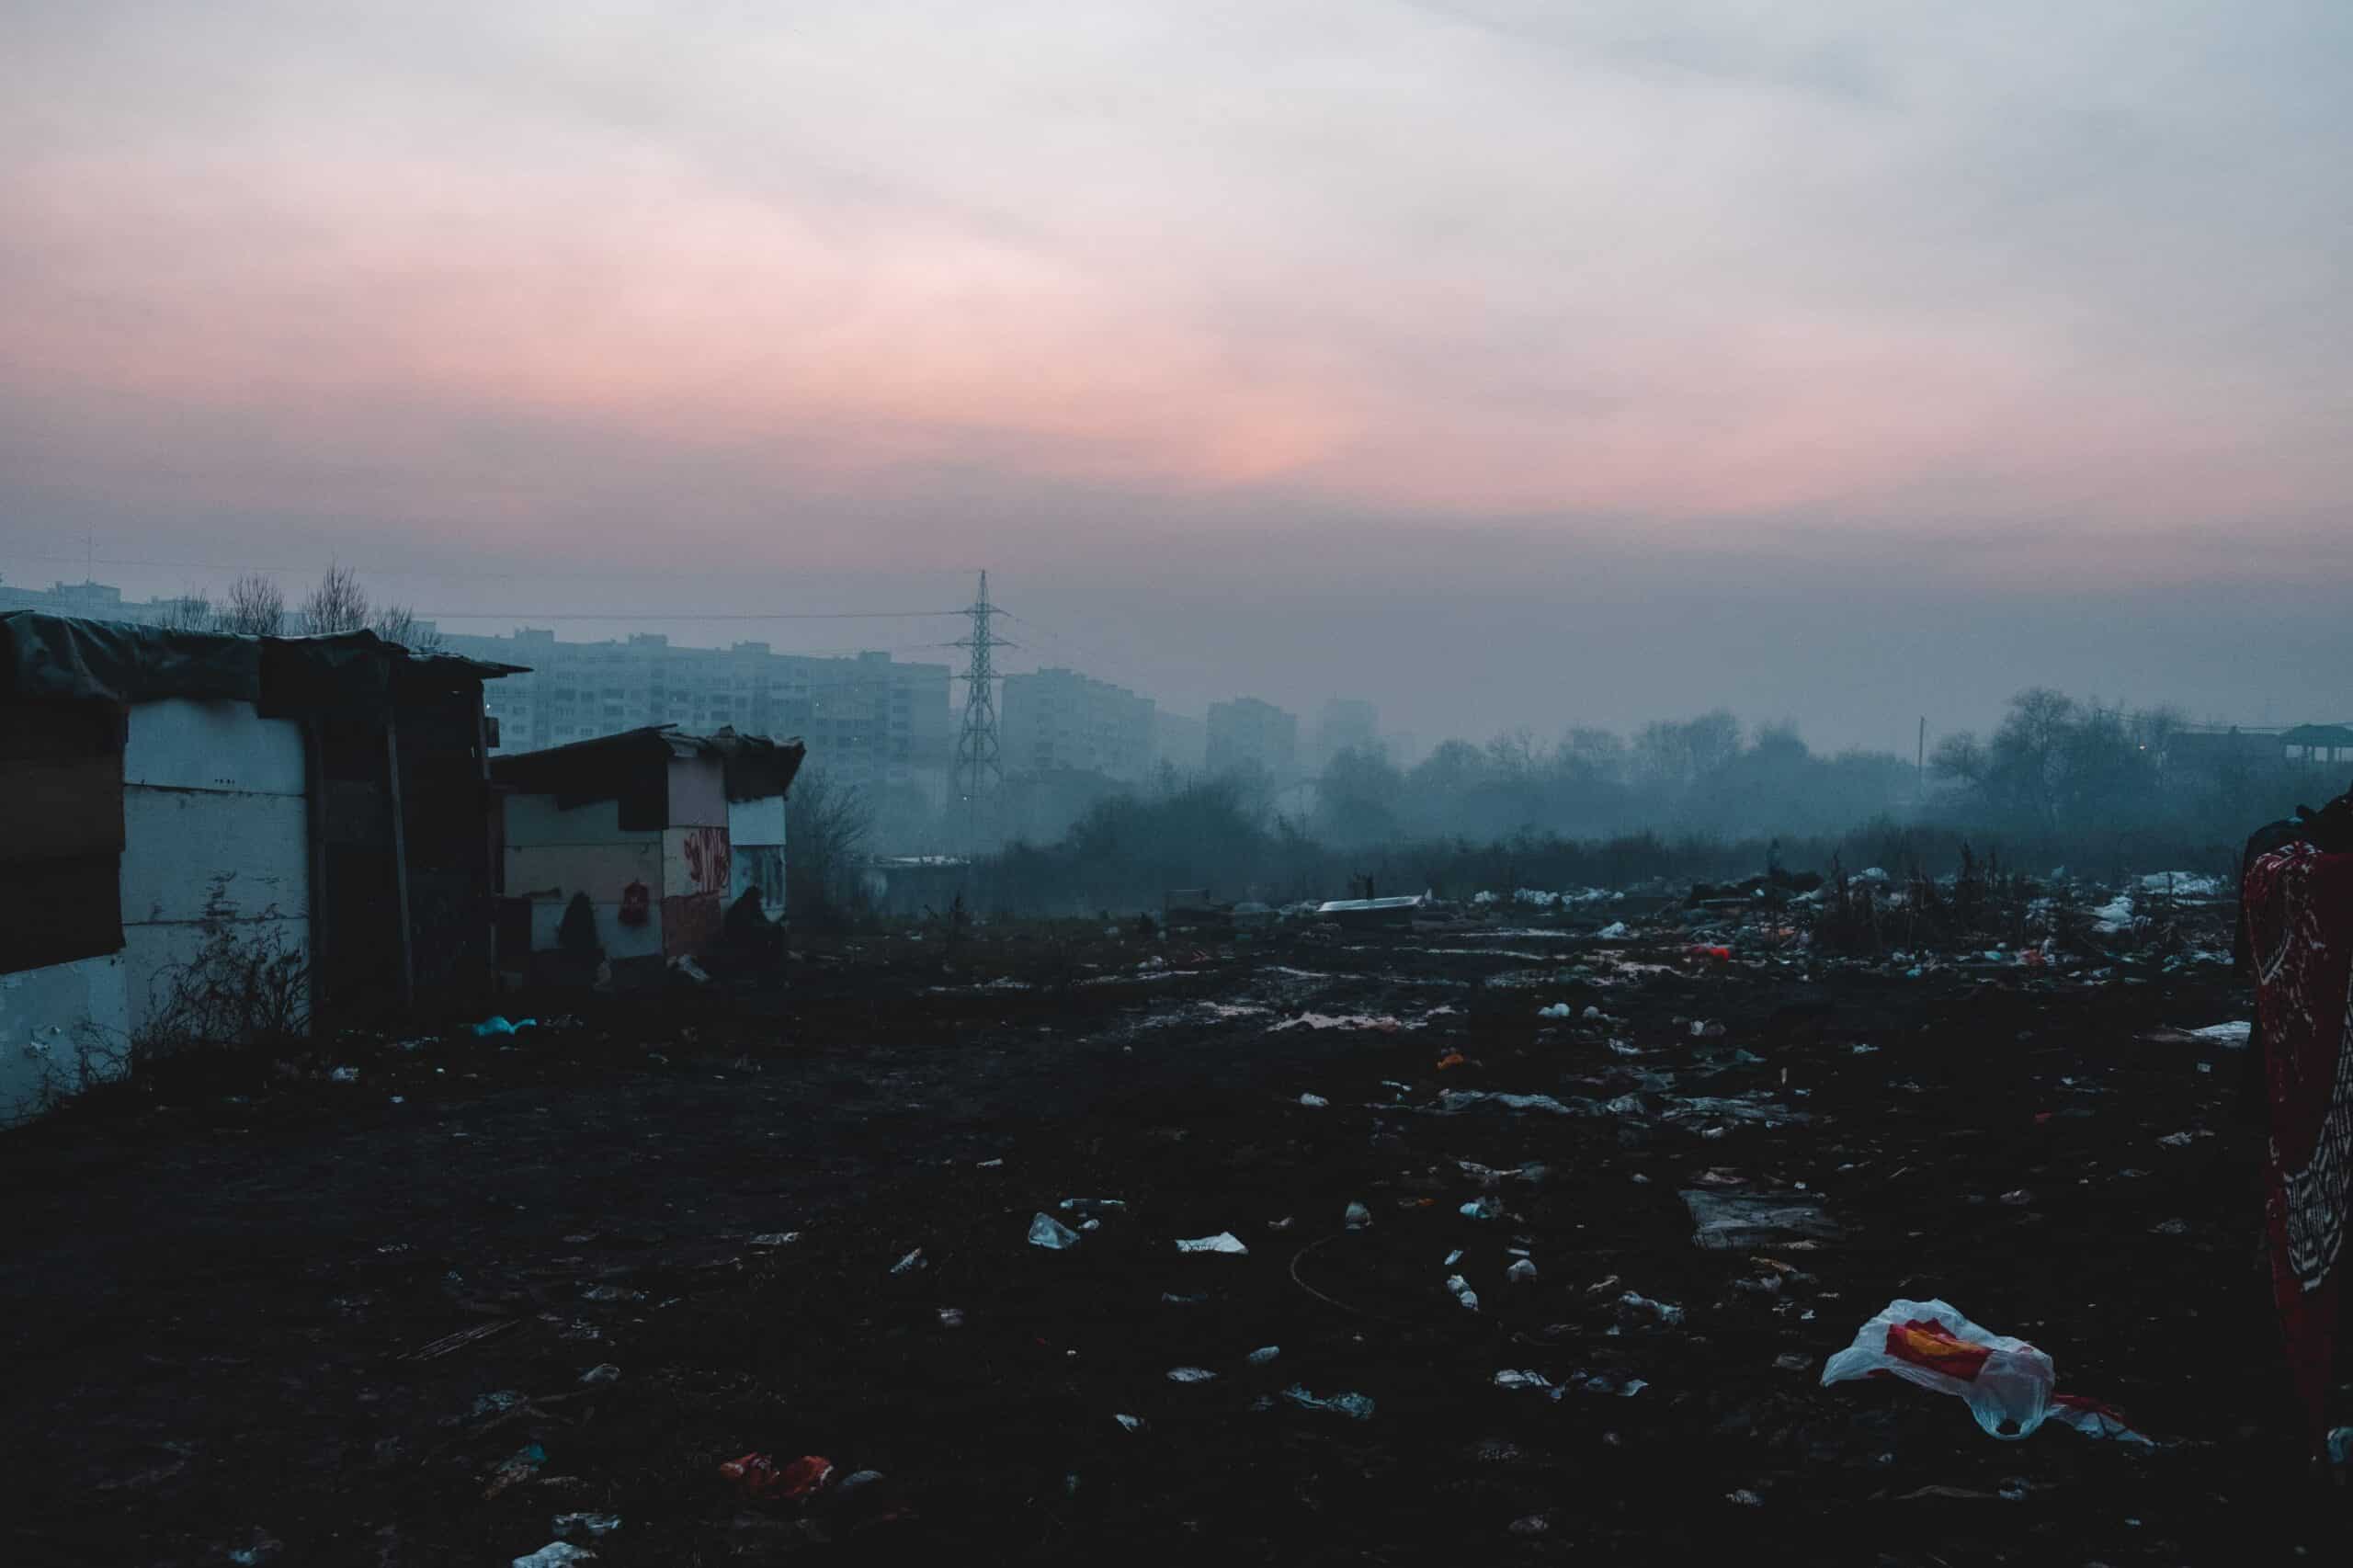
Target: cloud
1708, 279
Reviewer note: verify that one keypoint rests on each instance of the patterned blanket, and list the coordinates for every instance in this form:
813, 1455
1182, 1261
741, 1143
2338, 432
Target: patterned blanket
2298, 904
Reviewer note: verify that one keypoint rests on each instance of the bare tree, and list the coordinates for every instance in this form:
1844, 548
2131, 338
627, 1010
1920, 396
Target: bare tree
827, 825
338, 604
191, 611
398, 623
256, 606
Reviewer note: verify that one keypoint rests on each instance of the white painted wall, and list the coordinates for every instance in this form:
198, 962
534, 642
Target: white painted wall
584, 849
756, 840
215, 824
46, 1017
619, 941
698, 792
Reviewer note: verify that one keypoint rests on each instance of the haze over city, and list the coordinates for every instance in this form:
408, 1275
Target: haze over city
1506, 363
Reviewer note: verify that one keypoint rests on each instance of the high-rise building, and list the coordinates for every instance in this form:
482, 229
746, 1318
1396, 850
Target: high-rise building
1246, 733
1059, 719
1347, 723
1179, 741
867, 719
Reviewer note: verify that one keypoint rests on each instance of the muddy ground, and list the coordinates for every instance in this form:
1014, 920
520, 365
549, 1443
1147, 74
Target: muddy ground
229, 1294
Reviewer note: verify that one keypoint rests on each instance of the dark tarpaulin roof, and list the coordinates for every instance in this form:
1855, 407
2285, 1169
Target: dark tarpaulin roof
60, 658
2325, 735
634, 764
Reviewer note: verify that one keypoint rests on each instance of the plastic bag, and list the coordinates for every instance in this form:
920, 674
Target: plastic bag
2008, 1383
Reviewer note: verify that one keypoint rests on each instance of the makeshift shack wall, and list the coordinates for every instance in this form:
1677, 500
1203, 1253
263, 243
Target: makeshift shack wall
756, 851
552, 854
215, 846
446, 808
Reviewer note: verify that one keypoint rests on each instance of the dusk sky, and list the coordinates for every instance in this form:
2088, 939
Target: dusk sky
1502, 362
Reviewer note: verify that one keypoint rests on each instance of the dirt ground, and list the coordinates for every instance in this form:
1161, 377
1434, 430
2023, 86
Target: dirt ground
229, 1293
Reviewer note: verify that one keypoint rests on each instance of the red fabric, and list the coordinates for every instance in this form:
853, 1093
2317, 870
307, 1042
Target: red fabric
1925, 1342
2298, 904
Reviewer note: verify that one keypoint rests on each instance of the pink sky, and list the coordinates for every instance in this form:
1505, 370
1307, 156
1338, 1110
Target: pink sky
868, 287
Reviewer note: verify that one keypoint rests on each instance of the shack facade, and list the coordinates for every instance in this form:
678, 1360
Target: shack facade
659, 831
312, 812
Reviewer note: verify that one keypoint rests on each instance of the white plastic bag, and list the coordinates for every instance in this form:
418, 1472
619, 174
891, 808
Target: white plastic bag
2008, 1383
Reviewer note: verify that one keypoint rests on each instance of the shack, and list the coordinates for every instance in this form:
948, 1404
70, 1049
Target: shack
207, 836
658, 831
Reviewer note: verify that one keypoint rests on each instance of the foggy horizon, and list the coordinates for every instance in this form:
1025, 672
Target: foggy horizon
1499, 368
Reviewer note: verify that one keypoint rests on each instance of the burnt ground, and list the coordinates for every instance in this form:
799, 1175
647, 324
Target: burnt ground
216, 1284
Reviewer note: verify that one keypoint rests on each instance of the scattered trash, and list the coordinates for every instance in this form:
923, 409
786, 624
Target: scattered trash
1462, 1291
1455, 1100
1612, 1383
554, 1554
1132, 1422
494, 1025
1263, 1355
1794, 1361
603, 1373
910, 1263
2170, 1228
1483, 1209
2007, 1382
757, 1476
1355, 1406
1046, 1232
775, 1239
2018, 1199
1616, 931
1191, 1375
2229, 1035
590, 1525
1533, 1524
1743, 1221
521, 1465
1357, 1217
1639, 1305
1521, 1273
1314, 1102
345, 1075
265, 1547
1091, 1205
1745, 1498
1170, 1298
434, 1349
1225, 1240
1557, 1011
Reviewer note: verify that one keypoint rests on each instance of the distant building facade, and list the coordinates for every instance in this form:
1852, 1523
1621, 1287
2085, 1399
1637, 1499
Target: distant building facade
1059, 719
867, 719
1179, 740
94, 601
1247, 733
1347, 723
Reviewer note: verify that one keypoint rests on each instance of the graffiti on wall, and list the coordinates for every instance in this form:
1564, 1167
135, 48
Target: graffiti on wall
706, 856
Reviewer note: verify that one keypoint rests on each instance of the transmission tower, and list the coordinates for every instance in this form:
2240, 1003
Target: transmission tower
978, 771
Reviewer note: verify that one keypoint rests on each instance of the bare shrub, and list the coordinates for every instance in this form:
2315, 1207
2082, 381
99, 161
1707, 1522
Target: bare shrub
190, 612
398, 623
827, 824
246, 987
256, 606
338, 604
